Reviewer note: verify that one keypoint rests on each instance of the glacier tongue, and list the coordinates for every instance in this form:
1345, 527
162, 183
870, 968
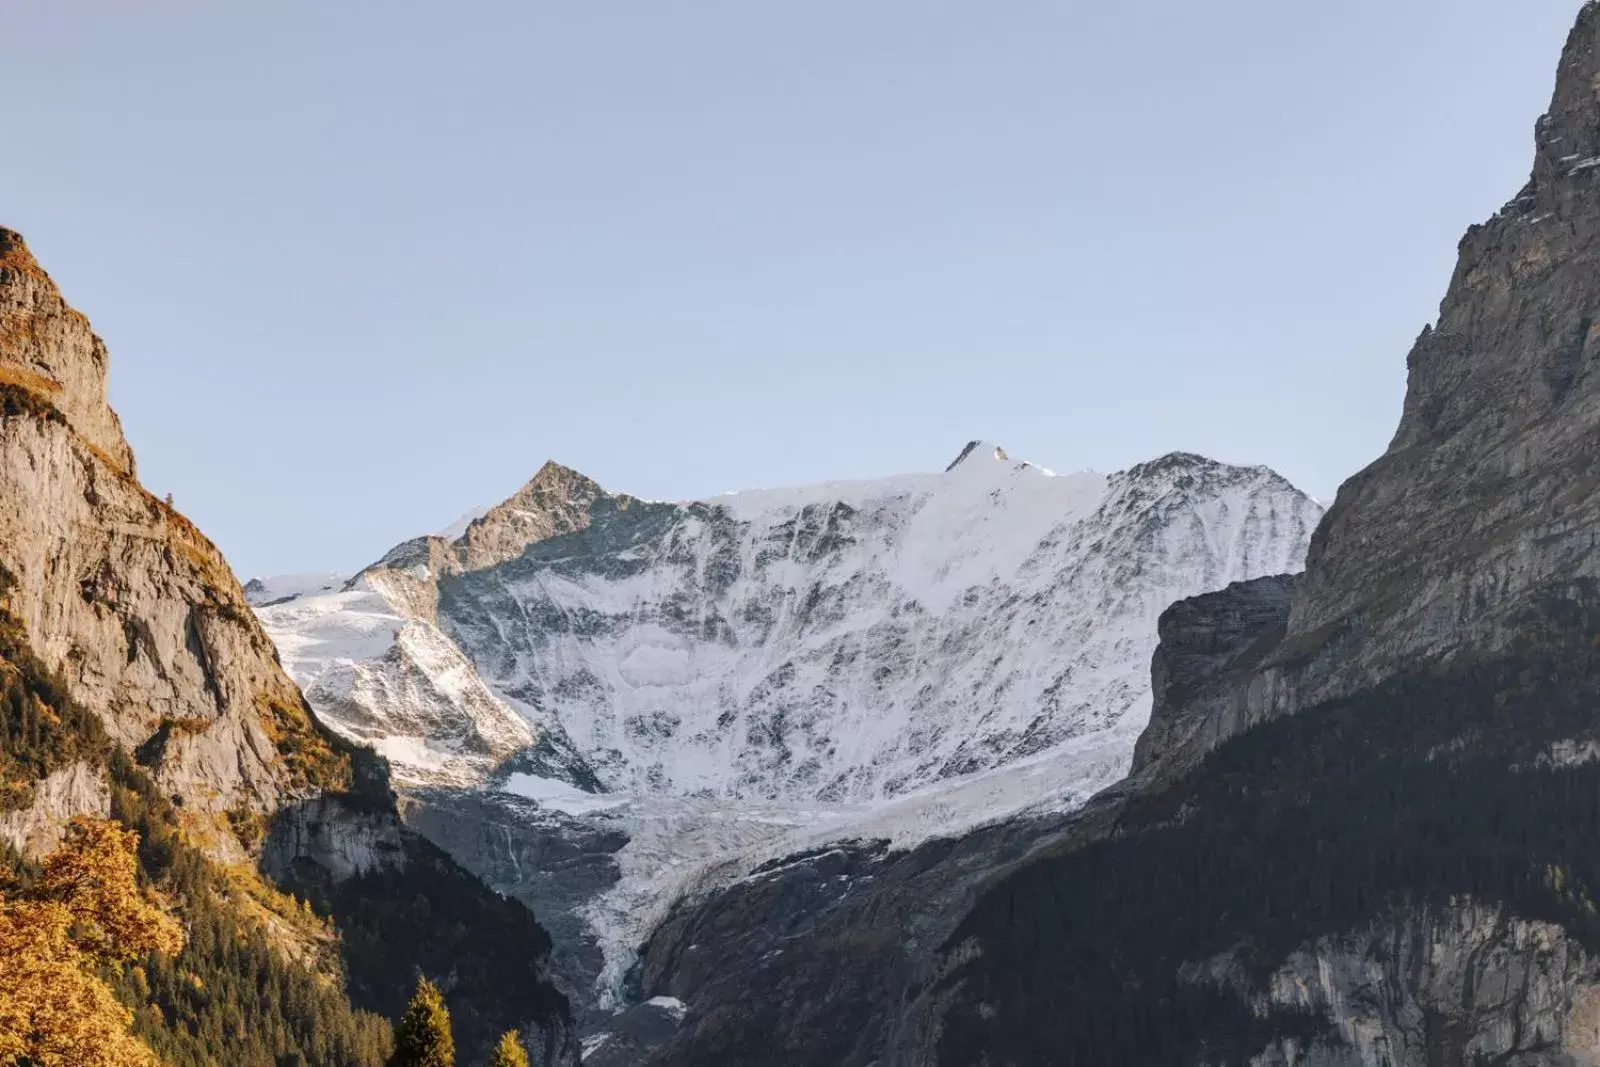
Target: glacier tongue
772, 670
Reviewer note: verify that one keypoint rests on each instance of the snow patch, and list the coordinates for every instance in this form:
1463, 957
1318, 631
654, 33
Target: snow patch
262, 591
671, 1005
560, 796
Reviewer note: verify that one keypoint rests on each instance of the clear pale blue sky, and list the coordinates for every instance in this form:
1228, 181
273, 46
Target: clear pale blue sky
363, 265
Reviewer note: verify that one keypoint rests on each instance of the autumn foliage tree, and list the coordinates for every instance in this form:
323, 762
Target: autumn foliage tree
87, 909
423, 1038
94, 874
509, 1052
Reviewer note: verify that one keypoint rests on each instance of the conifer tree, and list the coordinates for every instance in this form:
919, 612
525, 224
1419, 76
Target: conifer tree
423, 1037
509, 1052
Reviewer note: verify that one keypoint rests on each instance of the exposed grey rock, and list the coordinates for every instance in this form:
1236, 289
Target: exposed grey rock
1459, 985
36, 830
628, 1038
554, 864
123, 597
1490, 489
557, 501
47, 347
1211, 646
342, 841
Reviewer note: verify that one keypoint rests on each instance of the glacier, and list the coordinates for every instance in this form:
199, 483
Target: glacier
734, 680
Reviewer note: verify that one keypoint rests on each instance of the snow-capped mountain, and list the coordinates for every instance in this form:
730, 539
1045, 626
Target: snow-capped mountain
771, 669
838, 642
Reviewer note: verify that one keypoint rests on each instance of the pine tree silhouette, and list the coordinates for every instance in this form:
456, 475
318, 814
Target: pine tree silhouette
423, 1037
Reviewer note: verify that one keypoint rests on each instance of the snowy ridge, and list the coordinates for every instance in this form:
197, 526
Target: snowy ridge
855, 641
284, 587
775, 670
396, 684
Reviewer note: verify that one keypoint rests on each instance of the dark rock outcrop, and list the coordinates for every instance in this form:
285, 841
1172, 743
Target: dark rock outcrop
811, 960
1211, 647
403, 906
1490, 490
554, 865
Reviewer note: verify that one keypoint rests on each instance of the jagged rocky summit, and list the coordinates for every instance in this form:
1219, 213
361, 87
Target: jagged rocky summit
140, 685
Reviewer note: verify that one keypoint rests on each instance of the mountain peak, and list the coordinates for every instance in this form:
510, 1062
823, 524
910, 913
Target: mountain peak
14, 254
48, 350
557, 474
978, 449
1185, 463
1188, 475
1567, 136
557, 500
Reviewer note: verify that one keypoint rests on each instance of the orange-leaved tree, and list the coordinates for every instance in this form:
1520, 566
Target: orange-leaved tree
85, 910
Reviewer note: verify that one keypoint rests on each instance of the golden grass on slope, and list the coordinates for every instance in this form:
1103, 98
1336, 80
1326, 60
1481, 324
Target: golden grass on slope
30, 380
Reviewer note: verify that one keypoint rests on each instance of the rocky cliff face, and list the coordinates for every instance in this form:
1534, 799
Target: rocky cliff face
1487, 493
558, 865
1201, 676
48, 349
120, 594
122, 628
77, 789
1461, 984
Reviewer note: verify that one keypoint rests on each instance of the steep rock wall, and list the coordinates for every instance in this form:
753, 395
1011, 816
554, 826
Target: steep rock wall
1461, 984
1490, 490
1201, 674
121, 595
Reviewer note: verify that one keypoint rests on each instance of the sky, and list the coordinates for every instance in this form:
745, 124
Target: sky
365, 265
